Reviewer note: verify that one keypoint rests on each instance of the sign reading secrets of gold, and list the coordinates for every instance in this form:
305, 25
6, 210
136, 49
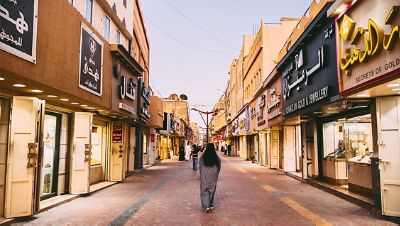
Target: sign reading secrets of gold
368, 43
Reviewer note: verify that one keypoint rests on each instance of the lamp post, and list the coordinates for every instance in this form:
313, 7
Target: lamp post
206, 121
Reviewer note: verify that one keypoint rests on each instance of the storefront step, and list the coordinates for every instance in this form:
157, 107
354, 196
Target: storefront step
5, 220
357, 199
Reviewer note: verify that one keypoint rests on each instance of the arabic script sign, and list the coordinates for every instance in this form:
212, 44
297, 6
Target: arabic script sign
91, 62
308, 79
368, 43
117, 132
18, 21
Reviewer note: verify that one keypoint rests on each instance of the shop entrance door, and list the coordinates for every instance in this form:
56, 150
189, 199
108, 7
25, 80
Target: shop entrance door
21, 184
51, 150
388, 123
81, 151
274, 149
289, 149
98, 155
117, 153
131, 158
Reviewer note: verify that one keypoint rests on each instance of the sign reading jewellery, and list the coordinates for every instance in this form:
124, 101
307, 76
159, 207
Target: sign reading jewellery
91, 62
309, 78
368, 43
18, 25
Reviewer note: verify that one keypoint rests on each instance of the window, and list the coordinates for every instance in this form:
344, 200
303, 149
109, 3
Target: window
118, 37
89, 10
107, 28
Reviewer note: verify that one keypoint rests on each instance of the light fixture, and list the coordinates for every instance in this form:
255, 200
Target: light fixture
19, 85
83, 105
51, 96
362, 95
393, 85
37, 91
396, 89
64, 99
75, 103
1, 78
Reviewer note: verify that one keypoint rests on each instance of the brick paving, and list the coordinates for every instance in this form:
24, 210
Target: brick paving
247, 194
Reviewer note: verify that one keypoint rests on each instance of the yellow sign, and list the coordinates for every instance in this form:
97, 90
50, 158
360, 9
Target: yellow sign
368, 42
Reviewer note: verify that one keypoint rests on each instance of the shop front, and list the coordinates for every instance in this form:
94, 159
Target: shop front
261, 127
241, 126
309, 93
272, 119
253, 135
367, 34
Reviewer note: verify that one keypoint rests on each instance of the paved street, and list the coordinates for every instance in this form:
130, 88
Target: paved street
247, 194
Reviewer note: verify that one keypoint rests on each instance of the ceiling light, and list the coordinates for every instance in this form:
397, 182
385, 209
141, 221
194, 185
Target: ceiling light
363, 95
393, 85
396, 89
83, 105
51, 96
19, 85
37, 91
64, 99
1, 78
75, 103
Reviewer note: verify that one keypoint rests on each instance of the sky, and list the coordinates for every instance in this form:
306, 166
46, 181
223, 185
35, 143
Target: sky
193, 42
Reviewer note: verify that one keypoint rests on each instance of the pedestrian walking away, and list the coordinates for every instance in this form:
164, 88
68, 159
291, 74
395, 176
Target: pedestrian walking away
195, 156
181, 153
188, 150
210, 166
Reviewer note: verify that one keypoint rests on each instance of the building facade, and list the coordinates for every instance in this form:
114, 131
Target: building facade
72, 91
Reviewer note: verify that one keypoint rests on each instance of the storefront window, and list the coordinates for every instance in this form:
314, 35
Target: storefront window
348, 138
97, 145
50, 154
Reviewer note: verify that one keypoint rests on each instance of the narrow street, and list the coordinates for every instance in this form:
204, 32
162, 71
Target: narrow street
247, 194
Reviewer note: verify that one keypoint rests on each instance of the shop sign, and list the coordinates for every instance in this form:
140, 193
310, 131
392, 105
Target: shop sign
126, 89
273, 104
91, 62
242, 123
260, 111
307, 80
368, 43
18, 25
117, 132
126, 108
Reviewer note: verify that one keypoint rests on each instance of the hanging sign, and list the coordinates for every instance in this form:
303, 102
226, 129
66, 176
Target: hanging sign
117, 132
18, 25
91, 62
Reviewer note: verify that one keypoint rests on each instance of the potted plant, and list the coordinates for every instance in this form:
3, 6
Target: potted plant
253, 158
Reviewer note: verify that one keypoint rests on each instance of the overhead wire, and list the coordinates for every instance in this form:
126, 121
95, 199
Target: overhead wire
184, 43
200, 27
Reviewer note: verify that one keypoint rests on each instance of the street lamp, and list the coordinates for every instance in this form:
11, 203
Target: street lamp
206, 121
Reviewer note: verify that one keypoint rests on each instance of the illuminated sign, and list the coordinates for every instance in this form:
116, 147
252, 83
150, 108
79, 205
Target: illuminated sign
368, 46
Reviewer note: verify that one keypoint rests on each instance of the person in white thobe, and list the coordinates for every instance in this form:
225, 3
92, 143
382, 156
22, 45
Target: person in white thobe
188, 150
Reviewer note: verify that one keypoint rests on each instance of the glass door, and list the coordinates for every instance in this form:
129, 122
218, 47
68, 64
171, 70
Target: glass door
51, 140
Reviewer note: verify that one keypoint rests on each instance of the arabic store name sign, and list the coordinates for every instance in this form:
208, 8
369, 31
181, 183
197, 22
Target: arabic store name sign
91, 62
308, 78
18, 24
368, 43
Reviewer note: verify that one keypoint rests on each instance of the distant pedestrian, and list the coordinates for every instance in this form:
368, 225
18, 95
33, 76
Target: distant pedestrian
229, 149
188, 150
181, 153
210, 166
195, 156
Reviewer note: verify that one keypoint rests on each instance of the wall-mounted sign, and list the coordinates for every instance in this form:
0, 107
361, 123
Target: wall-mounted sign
260, 110
91, 62
18, 25
126, 88
307, 79
127, 108
117, 132
368, 43
274, 109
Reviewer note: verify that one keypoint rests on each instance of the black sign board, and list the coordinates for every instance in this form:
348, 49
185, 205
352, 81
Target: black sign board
18, 24
309, 73
91, 62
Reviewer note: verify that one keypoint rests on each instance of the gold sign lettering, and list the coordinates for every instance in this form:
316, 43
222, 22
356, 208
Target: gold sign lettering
372, 40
